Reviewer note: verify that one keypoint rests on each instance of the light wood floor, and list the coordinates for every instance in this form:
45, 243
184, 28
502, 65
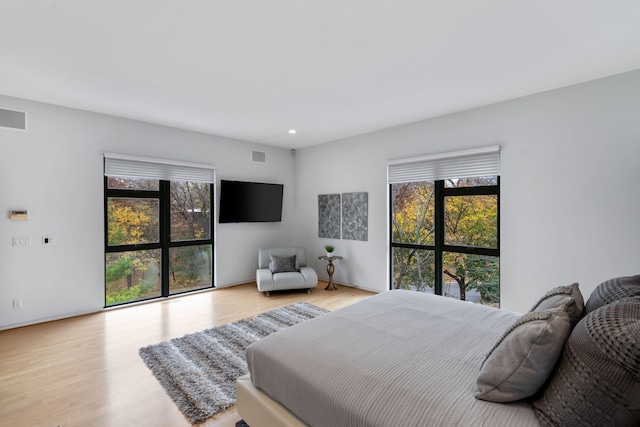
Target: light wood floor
86, 371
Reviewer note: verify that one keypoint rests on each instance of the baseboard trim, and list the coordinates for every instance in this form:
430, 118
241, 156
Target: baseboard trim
83, 313
48, 319
364, 288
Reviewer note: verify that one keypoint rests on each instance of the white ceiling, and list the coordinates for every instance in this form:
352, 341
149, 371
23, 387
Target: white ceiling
253, 69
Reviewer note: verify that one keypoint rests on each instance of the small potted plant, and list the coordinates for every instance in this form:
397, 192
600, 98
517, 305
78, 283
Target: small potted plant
329, 250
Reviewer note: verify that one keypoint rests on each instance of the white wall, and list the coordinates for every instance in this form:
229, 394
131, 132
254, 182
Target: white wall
570, 186
569, 203
55, 171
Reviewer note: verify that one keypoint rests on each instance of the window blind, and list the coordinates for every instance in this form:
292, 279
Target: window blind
459, 164
145, 167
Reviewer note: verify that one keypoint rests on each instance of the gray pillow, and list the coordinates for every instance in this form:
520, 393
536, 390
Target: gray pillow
282, 264
597, 382
563, 296
613, 290
523, 359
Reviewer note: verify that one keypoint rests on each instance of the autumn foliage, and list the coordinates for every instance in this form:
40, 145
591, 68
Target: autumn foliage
134, 266
470, 221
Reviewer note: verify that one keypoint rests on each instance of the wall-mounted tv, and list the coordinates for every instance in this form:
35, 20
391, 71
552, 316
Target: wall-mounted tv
250, 202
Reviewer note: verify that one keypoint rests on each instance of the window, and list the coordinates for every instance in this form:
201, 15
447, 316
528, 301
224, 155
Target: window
158, 235
445, 233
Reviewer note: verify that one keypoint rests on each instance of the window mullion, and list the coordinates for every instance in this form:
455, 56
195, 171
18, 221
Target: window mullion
439, 240
117, 192
498, 219
413, 246
471, 250
165, 234
471, 191
134, 247
391, 212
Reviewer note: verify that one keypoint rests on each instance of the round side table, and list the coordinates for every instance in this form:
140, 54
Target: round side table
330, 269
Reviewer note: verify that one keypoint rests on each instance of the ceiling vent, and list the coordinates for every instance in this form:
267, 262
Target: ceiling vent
259, 156
13, 119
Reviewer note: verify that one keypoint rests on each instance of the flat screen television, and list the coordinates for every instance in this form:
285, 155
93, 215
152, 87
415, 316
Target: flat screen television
250, 202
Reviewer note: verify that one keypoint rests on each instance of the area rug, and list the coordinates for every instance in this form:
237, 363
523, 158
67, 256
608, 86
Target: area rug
199, 370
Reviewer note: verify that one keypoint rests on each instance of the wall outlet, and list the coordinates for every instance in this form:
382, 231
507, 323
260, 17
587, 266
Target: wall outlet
22, 241
17, 303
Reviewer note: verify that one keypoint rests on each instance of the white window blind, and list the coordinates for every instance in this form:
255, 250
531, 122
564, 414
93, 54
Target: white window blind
459, 164
145, 167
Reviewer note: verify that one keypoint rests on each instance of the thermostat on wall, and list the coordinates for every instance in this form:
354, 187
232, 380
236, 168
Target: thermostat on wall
19, 215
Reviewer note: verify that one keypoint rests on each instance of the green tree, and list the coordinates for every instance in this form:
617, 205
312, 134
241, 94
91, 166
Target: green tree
470, 221
413, 222
118, 269
129, 221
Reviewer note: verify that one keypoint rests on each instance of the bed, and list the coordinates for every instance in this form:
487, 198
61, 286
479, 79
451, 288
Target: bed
403, 358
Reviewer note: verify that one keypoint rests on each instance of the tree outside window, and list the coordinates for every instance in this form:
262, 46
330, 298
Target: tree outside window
158, 238
445, 238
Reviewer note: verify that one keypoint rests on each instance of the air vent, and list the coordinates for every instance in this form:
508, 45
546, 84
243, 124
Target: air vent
259, 156
13, 119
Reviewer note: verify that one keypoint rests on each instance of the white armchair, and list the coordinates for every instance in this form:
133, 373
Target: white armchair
284, 268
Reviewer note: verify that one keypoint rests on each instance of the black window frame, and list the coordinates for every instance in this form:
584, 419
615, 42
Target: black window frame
439, 247
163, 194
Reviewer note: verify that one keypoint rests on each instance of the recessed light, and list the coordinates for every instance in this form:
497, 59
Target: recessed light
292, 131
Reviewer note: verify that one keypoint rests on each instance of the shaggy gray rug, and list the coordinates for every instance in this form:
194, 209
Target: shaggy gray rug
199, 370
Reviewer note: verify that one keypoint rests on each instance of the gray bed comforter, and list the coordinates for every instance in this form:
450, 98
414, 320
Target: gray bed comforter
399, 358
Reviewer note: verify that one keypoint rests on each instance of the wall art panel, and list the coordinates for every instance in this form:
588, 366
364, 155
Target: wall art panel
355, 216
329, 216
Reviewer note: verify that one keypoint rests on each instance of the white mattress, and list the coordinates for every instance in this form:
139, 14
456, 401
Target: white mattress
399, 358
